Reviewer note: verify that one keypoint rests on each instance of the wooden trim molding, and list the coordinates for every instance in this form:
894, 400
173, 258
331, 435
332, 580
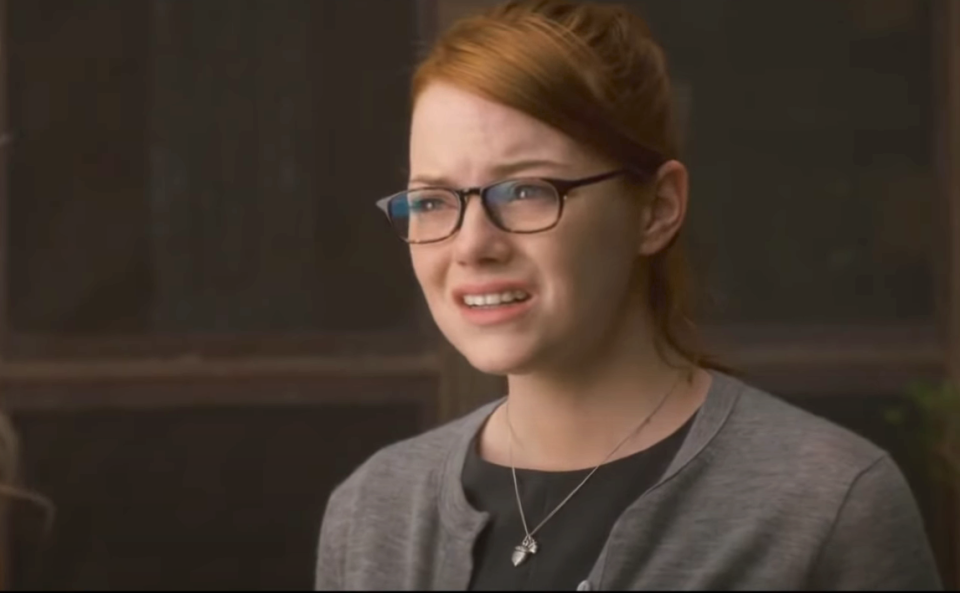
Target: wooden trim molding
5, 141
194, 392
7, 137
823, 361
946, 16
41, 347
949, 157
230, 370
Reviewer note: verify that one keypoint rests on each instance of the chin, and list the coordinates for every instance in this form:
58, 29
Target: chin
507, 349
491, 365
495, 357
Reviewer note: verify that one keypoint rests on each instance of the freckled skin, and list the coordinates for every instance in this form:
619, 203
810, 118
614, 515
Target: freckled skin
579, 272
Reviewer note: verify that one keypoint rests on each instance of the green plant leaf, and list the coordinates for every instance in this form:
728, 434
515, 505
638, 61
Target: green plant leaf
894, 416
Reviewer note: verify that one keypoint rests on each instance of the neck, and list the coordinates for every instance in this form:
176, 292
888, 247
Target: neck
573, 416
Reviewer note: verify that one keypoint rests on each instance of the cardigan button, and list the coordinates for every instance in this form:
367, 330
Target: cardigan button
584, 586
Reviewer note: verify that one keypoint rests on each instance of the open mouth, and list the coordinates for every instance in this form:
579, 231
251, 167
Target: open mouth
495, 299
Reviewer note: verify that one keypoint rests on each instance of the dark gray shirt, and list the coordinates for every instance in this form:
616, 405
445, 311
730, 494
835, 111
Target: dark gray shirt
761, 495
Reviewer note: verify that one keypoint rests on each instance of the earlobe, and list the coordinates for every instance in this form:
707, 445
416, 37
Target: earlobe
666, 210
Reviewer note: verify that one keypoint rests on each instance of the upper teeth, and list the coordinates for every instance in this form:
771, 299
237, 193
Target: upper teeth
478, 300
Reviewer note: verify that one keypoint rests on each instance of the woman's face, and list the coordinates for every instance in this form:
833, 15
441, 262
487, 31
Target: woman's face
566, 287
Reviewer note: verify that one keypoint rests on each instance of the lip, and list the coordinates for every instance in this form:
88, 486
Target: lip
496, 315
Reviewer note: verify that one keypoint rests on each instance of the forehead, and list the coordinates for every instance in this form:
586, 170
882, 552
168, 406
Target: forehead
455, 133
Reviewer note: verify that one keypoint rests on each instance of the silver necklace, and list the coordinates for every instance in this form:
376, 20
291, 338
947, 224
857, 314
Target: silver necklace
529, 545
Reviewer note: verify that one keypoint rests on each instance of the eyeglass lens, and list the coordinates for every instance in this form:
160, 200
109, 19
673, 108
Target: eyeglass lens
521, 205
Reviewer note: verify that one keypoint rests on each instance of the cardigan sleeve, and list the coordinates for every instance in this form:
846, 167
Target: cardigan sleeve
333, 542
878, 541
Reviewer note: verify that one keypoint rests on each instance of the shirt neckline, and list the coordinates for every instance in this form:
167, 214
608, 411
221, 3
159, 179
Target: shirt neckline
473, 456
464, 522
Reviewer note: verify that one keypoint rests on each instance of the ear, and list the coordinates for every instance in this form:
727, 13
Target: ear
664, 213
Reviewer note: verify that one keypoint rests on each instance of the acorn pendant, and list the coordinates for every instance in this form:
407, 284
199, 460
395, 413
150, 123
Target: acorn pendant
527, 548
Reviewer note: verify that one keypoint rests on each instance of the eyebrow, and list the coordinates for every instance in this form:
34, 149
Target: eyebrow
501, 171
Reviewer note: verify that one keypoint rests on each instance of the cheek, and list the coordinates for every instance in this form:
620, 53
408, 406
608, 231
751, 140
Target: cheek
593, 264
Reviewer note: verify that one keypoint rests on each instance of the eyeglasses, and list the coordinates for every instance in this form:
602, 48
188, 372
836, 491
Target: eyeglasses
524, 205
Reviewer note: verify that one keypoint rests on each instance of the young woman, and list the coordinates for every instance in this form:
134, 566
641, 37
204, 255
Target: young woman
543, 212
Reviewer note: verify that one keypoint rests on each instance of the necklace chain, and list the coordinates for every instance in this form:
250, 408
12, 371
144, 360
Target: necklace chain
529, 545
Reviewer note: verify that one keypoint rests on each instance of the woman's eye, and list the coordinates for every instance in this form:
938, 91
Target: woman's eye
422, 205
527, 192
522, 192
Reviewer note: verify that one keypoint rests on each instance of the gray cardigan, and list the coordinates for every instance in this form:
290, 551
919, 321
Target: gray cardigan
761, 495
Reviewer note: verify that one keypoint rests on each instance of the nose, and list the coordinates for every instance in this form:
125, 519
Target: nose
479, 240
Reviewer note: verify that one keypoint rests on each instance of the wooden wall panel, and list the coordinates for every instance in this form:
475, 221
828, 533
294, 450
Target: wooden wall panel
227, 495
207, 168
76, 104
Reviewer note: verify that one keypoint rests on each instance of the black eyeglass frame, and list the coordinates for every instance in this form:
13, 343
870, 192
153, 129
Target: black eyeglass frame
562, 186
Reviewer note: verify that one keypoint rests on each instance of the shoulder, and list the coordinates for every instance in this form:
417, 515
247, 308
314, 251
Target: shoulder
820, 482
396, 491
770, 437
408, 468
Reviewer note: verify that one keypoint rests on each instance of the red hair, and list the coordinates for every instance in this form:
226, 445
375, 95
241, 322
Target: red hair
594, 72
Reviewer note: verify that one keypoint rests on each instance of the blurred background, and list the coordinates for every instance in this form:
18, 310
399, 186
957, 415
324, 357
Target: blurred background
206, 324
